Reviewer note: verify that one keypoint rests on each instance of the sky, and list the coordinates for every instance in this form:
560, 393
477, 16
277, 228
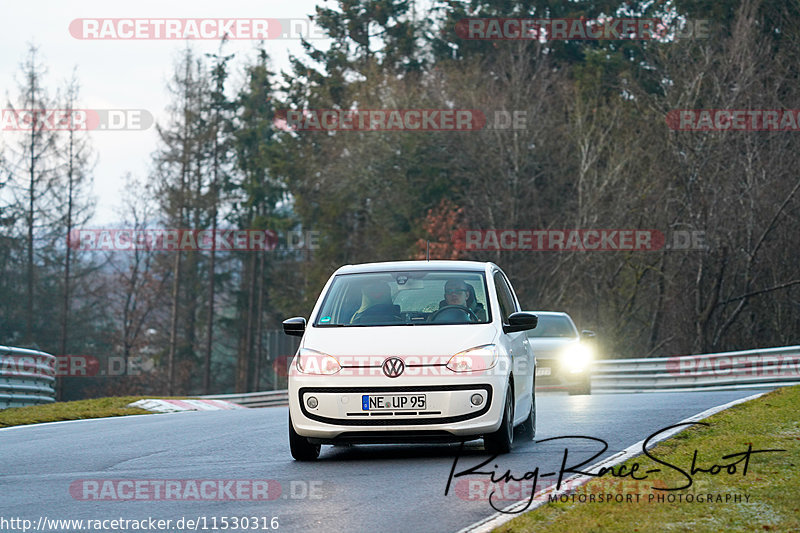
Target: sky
125, 74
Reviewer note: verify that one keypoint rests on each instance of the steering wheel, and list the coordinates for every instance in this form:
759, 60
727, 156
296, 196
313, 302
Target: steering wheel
465, 309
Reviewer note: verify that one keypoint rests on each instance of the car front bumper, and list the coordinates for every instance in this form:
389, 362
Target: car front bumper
552, 374
449, 413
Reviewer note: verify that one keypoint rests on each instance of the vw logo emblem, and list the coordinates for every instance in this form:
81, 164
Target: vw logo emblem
393, 367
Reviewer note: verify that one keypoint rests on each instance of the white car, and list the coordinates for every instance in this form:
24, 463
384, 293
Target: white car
564, 357
412, 351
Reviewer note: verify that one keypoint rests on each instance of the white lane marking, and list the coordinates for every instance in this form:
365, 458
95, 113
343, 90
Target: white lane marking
40, 424
542, 497
120, 417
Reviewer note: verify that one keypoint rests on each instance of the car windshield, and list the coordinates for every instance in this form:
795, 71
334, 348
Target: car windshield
553, 326
427, 297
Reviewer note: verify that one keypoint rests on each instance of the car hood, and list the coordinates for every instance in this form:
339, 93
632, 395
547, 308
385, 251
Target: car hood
401, 341
549, 346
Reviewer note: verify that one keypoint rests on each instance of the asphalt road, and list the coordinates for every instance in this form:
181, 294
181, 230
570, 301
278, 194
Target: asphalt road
360, 488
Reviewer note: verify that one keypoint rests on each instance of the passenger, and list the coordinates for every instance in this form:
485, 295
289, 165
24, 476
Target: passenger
376, 302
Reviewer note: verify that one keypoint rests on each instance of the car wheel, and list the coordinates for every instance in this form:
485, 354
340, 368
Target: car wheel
528, 428
301, 447
500, 441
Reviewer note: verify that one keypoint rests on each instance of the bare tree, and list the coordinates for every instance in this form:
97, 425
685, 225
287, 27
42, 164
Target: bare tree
77, 206
34, 168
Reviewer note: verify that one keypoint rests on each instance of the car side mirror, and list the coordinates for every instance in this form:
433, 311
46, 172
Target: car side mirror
520, 321
295, 326
587, 334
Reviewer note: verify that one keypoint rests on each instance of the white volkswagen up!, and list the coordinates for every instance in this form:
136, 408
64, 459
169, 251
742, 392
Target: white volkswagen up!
412, 351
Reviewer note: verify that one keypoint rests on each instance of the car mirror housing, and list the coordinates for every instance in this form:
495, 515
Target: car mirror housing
294, 326
587, 334
520, 321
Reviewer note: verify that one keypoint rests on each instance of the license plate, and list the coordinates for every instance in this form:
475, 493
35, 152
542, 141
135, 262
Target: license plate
543, 371
392, 402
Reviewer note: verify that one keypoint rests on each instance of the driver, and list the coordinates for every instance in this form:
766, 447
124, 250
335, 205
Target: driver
458, 292
455, 293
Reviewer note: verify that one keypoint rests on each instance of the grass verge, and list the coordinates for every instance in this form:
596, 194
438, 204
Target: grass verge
772, 482
77, 410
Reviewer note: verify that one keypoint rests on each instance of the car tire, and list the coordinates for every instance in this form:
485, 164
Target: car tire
302, 449
528, 428
500, 441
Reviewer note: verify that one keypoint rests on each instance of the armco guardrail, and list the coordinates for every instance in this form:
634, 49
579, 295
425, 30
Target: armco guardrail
749, 369
27, 377
255, 399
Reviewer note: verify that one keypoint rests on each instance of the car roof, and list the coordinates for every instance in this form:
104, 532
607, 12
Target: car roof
468, 266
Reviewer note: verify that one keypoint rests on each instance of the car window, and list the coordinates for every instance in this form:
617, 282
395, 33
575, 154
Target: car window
553, 326
504, 296
400, 298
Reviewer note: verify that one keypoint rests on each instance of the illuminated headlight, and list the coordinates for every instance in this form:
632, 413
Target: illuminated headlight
314, 362
474, 359
576, 357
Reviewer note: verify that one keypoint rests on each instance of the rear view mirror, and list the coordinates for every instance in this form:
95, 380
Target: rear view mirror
587, 334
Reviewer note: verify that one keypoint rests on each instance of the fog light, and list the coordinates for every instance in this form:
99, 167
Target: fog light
312, 402
476, 399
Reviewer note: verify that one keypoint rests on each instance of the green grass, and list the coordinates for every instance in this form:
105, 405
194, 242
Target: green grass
77, 410
772, 481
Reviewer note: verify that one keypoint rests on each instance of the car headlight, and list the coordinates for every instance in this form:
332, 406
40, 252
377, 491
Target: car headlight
474, 359
314, 362
576, 357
